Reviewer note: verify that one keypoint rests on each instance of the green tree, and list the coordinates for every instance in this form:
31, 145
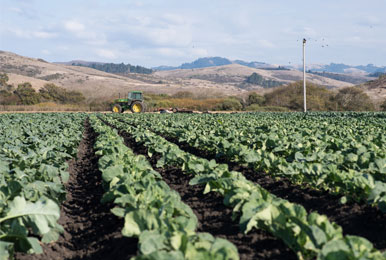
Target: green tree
27, 94
319, 98
51, 92
257, 79
3, 79
254, 98
353, 99
230, 104
383, 105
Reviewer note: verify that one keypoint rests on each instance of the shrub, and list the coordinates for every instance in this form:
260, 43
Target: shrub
319, 98
253, 107
353, 99
254, 98
230, 104
183, 94
27, 94
383, 105
50, 92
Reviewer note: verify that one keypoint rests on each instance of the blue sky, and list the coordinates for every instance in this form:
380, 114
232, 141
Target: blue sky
170, 32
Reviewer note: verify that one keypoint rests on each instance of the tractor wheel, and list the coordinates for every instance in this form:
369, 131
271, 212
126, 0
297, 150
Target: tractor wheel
116, 108
175, 110
136, 107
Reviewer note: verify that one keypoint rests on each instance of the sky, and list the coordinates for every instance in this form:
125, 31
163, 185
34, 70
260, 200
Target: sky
170, 32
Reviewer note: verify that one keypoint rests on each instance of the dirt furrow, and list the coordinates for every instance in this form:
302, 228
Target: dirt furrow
213, 216
355, 218
91, 230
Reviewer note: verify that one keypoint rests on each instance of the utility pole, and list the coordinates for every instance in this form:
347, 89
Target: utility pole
304, 75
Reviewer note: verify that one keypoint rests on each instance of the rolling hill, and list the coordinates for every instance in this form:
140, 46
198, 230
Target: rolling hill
221, 80
95, 84
214, 62
376, 88
235, 74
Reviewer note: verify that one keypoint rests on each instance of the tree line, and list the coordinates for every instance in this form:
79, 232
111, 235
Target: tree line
116, 68
25, 94
319, 98
257, 79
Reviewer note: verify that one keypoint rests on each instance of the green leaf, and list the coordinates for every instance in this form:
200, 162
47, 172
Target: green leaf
334, 249
224, 248
41, 215
50, 236
35, 246
151, 241
6, 250
381, 164
352, 157
176, 240
112, 171
120, 212
131, 227
343, 200
162, 255
4, 166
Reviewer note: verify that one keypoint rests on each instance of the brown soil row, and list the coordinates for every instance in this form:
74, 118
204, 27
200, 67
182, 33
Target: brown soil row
91, 230
358, 219
213, 216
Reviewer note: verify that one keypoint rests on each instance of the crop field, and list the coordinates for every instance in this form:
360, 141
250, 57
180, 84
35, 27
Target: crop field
193, 186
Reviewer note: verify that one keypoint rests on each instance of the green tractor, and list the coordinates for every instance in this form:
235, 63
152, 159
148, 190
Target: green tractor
134, 102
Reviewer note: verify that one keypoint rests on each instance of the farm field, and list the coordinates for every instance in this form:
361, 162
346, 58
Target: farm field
193, 186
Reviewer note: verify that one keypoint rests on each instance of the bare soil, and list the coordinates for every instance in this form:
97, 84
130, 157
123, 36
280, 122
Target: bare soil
91, 230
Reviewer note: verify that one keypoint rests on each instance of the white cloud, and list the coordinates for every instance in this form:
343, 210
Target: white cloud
300, 32
138, 4
43, 35
266, 44
46, 52
18, 32
370, 21
172, 35
31, 34
200, 52
309, 32
170, 52
16, 10
74, 26
107, 54
89, 37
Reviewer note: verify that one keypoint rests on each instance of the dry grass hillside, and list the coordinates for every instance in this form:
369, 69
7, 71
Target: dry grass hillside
98, 85
376, 88
95, 84
235, 74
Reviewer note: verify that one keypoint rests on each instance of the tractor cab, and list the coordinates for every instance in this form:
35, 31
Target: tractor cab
134, 103
135, 96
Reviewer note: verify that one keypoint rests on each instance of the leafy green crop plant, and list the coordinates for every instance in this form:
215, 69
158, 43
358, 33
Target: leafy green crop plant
34, 149
165, 226
309, 235
348, 159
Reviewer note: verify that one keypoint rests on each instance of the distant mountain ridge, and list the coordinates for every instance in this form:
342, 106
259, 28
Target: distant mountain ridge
343, 68
338, 71
206, 62
331, 68
213, 62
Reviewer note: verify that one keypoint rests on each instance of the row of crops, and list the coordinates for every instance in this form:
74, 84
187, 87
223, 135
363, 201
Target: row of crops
342, 154
34, 149
345, 155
